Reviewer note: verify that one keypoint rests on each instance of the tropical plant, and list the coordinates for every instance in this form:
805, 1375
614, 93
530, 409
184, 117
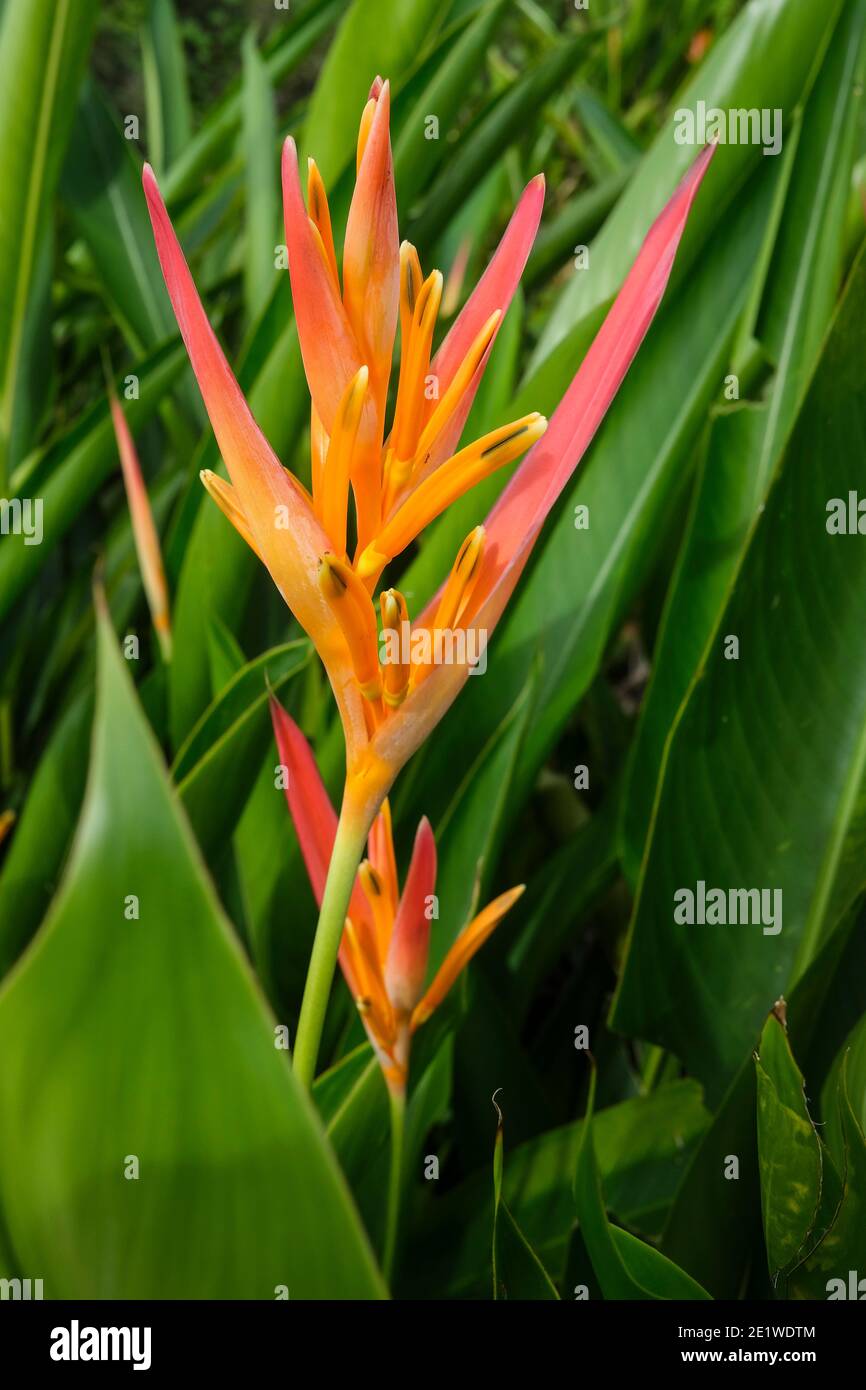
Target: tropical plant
652, 787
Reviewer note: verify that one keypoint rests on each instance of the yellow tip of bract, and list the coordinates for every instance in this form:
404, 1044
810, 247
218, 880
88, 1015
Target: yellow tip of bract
390, 607
370, 562
461, 581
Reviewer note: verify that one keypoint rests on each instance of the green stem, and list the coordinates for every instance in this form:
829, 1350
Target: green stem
398, 1124
345, 858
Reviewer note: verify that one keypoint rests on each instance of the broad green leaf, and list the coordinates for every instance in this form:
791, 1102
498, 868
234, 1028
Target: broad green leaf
728, 494
262, 178
624, 1266
643, 1146
76, 466
849, 1068
834, 1269
43, 831
803, 280
43, 50
715, 1222
807, 264
216, 767
765, 60
517, 1270
789, 1151
169, 113
381, 37
758, 791
236, 1190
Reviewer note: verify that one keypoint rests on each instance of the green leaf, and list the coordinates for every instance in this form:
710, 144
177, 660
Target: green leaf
43, 831
101, 184
216, 767
789, 1152
740, 807
148, 1038
485, 142
643, 1147
517, 1270
37, 380
834, 1269
353, 1102
375, 37
416, 157
43, 50
764, 60
715, 1222
169, 113
851, 1060
799, 297
617, 148
284, 51
624, 1266
262, 178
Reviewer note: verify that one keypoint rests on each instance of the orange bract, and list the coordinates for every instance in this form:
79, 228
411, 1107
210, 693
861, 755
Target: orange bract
374, 488
385, 944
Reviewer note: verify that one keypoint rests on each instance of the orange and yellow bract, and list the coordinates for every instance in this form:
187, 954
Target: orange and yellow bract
386, 936
375, 484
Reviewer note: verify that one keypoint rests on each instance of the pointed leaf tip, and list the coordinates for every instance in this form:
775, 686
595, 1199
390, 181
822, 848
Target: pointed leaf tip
406, 965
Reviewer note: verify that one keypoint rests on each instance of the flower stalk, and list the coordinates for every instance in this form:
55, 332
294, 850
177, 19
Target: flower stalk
397, 1100
342, 871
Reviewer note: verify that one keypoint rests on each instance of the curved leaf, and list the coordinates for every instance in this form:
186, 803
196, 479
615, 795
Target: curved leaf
233, 1190
758, 791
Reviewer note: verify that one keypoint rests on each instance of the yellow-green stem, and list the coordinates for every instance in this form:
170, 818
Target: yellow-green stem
345, 858
395, 1183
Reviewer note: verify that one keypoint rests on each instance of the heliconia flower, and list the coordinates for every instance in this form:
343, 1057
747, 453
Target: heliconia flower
386, 937
7, 820
376, 485
143, 528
